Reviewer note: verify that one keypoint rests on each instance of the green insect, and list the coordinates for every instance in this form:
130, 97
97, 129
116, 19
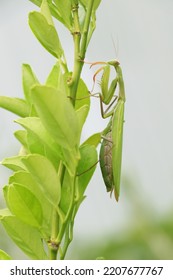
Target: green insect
111, 147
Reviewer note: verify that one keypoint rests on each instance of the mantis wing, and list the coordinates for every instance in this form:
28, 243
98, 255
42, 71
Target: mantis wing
117, 138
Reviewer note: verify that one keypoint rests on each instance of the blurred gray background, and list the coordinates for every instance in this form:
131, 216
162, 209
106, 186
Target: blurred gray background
143, 37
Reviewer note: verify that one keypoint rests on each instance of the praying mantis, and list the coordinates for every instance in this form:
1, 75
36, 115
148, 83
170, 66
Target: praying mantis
112, 135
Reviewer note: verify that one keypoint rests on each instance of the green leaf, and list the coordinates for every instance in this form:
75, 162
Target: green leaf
63, 83
35, 145
14, 163
45, 175
23, 151
82, 14
4, 256
24, 205
95, 5
45, 33
92, 26
64, 9
27, 238
57, 115
53, 9
29, 80
66, 192
93, 140
53, 78
15, 105
82, 96
39, 140
57, 79
24, 178
82, 113
46, 12
21, 136
38, 2
86, 167
70, 160
5, 193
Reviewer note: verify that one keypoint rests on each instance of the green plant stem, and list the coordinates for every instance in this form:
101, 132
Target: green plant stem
53, 245
76, 39
86, 29
66, 243
79, 50
68, 215
68, 229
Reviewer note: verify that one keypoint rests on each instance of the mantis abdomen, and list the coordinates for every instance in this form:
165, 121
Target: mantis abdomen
106, 161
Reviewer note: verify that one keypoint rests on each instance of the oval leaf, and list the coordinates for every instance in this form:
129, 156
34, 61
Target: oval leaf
27, 238
15, 105
14, 163
57, 115
24, 205
45, 175
53, 78
93, 140
45, 33
39, 140
64, 9
24, 178
21, 136
86, 167
82, 96
82, 113
28, 79
46, 11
